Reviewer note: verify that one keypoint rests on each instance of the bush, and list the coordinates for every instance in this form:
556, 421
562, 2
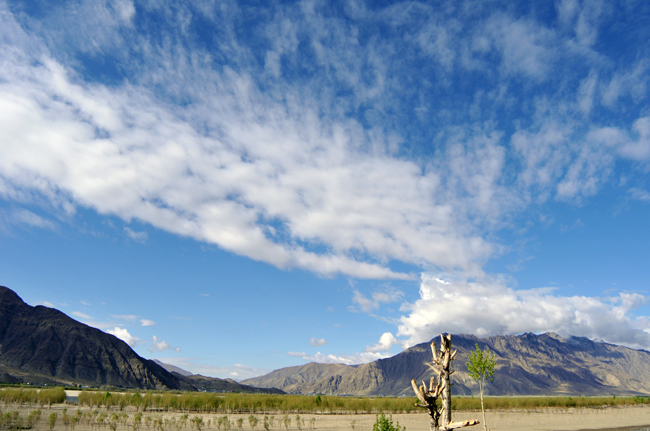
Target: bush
383, 423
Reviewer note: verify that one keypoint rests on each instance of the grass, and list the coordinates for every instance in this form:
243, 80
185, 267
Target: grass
290, 404
262, 403
245, 403
509, 403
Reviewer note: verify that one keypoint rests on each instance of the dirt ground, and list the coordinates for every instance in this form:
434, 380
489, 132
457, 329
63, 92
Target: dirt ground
632, 418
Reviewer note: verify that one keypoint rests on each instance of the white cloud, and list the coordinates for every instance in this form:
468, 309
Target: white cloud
353, 359
160, 345
147, 322
270, 164
127, 317
86, 303
288, 172
140, 237
22, 218
377, 298
316, 342
81, 315
638, 149
639, 194
124, 335
490, 307
46, 303
386, 342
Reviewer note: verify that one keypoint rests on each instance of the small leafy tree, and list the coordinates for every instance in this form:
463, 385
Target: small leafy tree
480, 365
383, 423
197, 422
51, 420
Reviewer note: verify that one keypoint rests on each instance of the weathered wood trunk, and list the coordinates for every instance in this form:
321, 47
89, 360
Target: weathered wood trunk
444, 365
440, 420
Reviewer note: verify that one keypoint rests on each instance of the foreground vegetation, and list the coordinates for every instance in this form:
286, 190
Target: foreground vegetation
264, 403
42, 397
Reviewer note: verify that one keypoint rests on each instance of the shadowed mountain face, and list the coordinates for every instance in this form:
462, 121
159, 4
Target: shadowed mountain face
527, 364
41, 344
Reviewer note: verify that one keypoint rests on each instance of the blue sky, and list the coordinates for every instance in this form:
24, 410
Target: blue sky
235, 187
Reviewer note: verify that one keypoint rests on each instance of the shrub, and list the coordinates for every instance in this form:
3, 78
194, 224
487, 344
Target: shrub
383, 423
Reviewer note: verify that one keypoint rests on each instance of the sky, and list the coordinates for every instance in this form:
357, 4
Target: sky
236, 187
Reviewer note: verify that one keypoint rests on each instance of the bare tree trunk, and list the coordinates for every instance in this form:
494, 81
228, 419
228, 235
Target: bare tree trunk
444, 364
480, 386
442, 389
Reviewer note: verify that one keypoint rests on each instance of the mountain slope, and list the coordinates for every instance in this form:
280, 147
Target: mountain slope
213, 384
44, 343
527, 364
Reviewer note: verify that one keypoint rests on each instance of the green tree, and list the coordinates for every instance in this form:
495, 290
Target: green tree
480, 364
383, 423
51, 420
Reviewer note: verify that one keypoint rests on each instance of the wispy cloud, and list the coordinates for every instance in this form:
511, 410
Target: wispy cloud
160, 345
352, 359
81, 315
316, 342
639, 194
384, 296
147, 322
127, 317
353, 141
140, 237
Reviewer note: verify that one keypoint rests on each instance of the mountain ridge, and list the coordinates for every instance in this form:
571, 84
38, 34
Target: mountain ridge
44, 342
527, 364
42, 345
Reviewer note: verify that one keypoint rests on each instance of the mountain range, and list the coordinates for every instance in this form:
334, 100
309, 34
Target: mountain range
41, 345
527, 364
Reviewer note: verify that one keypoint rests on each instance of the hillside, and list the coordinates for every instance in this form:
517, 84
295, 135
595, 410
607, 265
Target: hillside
43, 345
527, 364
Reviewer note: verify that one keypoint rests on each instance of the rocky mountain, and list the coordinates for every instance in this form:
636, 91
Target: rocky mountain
172, 368
214, 384
527, 364
43, 345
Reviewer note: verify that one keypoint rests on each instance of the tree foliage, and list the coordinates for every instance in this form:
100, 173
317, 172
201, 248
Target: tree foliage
383, 423
480, 365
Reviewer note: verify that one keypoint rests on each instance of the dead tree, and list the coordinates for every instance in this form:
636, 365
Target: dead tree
440, 417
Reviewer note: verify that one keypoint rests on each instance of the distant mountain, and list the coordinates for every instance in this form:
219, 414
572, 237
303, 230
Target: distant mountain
43, 345
527, 364
172, 368
214, 384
